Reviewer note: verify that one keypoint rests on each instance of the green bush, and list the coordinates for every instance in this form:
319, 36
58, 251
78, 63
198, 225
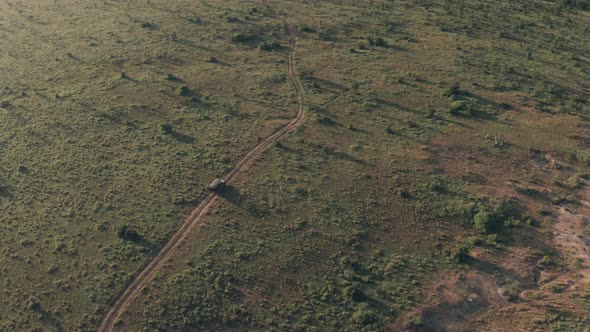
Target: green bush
269, 46
363, 315
353, 293
463, 107
512, 290
148, 25
183, 91
484, 222
452, 91
459, 253
129, 234
166, 128
378, 41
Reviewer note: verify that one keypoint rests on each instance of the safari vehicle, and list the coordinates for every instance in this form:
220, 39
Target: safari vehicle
216, 185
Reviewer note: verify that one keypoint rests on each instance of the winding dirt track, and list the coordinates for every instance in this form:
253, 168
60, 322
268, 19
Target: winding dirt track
143, 277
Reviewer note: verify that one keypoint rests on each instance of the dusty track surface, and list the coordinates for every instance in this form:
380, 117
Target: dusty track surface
572, 236
143, 277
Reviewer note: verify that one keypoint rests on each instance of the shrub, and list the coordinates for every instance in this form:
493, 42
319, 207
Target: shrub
129, 234
457, 107
464, 107
459, 253
558, 287
23, 169
512, 290
172, 77
307, 28
404, 194
353, 293
148, 25
484, 222
363, 316
378, 41
544, 212
4, 191
274, 79
269, 46
33, 303
546, 261
195, 20
183, 91
451, 91
512, 222
166, 128
324, 34
417, 321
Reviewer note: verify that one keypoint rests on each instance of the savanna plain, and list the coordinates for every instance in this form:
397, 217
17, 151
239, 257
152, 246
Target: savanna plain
439, 179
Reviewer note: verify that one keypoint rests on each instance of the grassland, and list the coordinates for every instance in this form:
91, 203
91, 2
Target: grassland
98, 134
368, 212
422, 117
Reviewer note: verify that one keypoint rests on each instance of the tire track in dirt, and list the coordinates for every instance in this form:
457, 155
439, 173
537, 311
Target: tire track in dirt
143, 277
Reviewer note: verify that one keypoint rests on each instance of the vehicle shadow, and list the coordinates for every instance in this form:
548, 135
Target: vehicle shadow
231, 194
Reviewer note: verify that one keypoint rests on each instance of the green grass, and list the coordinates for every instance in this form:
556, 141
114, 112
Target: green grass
82, 148
329, 193
122, 121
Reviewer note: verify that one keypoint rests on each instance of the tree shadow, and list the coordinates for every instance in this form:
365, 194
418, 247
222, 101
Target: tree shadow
397, 133
5, 191
6, 105
129, 234
288, 149
216, 61
346, 156
342, 155
183, 138
395, 48
73, 57
329, 85
456, 123
188, 43
149, 26
394, 105
51, 319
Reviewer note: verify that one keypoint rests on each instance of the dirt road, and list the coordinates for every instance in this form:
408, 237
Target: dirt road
143, 277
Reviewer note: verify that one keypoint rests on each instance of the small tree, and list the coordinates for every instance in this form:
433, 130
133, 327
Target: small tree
380, 42
166, 128
269, 46
183, 91
459, 253
129, 234
484, 222
452, 91
34, 303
